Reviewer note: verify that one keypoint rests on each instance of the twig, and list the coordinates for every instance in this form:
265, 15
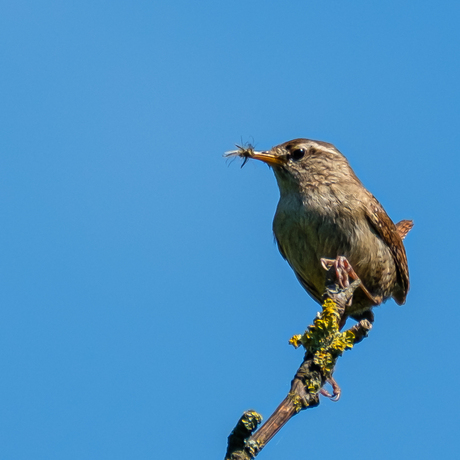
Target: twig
324, 343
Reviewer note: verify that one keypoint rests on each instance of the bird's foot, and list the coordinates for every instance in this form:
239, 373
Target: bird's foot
336, 390
344, 271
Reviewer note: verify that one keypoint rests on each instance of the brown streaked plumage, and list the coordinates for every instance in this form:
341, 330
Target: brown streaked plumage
325, 212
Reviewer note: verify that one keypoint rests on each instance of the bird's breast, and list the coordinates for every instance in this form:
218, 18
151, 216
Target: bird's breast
311, 227
319, 225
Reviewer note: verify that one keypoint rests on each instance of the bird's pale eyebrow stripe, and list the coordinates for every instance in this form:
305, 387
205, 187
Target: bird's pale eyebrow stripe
324, 148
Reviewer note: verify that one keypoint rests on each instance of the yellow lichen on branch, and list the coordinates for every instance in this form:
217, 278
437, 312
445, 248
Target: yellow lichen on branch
324, 340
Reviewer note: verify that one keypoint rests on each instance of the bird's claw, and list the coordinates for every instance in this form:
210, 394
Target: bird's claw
344, 271
336, 391
333, 397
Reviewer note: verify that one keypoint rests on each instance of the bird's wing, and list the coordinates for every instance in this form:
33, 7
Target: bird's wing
392, 237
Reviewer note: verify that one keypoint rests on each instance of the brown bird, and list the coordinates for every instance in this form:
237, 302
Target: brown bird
326, 216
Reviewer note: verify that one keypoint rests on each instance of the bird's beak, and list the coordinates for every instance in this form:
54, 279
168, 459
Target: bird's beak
268, 157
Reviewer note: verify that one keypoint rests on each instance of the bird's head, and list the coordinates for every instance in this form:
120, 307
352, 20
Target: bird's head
301, 162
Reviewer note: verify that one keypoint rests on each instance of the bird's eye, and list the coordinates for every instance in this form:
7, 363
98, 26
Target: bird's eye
297, 154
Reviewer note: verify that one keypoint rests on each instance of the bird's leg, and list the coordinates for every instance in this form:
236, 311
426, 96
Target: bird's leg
344, 271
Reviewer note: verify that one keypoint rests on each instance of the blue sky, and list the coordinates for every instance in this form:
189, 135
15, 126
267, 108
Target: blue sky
143, 303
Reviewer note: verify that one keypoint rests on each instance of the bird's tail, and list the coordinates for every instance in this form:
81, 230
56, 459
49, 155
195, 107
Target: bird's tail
404, 227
